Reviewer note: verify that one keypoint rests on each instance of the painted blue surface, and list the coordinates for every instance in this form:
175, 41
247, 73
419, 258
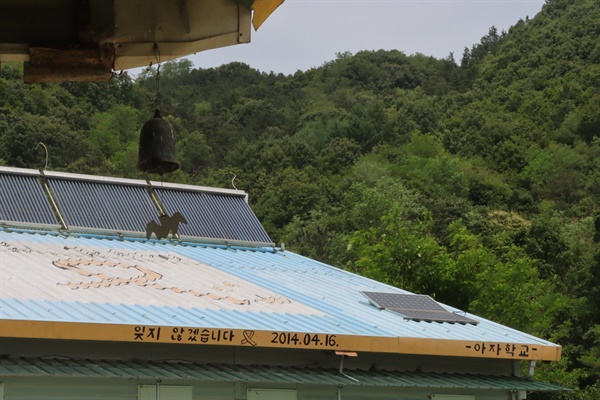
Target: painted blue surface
333, 293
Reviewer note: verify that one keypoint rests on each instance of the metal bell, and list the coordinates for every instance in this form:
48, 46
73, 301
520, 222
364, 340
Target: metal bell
158, 153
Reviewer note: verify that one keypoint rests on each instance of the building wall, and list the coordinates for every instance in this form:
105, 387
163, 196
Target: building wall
246, 355
101, 388
125, 389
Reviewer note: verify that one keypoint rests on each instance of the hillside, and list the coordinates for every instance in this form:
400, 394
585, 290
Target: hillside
476, 182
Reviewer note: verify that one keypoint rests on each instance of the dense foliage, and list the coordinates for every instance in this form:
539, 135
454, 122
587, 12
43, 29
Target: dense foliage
476, 182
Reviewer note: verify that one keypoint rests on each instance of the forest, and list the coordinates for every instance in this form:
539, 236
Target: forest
473, 179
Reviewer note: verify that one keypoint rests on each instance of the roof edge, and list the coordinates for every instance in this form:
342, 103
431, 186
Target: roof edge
195, 188
94, 178
93, 331
121, 181
20, 171
41, 229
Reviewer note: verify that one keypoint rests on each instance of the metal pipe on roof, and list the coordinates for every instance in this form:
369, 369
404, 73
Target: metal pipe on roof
53, 203
531, 369
521, 395
342, 369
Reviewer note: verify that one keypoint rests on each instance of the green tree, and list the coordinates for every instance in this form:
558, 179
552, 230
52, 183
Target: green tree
116, 128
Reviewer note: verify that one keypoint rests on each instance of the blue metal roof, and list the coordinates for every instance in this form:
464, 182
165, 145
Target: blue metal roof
95, 279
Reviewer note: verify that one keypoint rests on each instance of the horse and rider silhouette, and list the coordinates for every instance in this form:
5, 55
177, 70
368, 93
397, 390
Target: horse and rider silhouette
166, 224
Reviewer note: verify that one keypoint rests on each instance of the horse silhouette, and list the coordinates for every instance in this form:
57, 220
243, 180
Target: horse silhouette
165, 226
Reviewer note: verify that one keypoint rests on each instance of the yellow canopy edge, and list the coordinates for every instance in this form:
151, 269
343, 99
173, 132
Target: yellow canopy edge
262, 10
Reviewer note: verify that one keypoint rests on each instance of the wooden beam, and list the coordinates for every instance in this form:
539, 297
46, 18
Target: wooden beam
45, 74
71, 64
199, 336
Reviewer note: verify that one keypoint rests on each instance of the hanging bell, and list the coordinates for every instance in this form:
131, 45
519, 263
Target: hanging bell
158, 153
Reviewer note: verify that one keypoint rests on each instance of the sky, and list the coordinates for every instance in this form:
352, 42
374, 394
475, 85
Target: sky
304, 34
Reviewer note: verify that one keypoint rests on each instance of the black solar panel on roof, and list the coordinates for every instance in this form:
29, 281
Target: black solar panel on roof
22, 199
433, 316
103, 206
408, 301
213, 215
415, 307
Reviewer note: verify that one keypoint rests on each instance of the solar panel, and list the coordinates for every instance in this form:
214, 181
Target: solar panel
405, 301
213, 215
103, 205
22, 199
415, 307
111, 205
433, 316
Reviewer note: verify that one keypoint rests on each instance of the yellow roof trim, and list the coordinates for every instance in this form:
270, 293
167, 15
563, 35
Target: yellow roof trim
275, 339
262, 10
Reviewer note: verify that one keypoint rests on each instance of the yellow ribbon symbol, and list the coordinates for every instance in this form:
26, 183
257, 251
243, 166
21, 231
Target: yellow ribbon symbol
248, 338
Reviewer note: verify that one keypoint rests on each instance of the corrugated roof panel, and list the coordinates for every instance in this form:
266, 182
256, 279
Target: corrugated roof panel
22, 199
213, 215
60, 367
103, 206
38, 269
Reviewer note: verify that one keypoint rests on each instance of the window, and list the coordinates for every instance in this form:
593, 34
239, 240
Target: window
271, 394
148, 392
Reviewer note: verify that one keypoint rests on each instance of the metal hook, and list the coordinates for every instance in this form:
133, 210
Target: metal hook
233, 179
45, 148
